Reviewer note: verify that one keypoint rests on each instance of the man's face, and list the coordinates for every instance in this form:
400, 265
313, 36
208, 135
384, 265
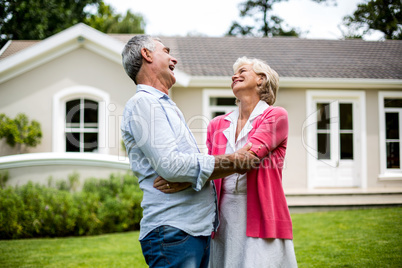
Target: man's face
164, 64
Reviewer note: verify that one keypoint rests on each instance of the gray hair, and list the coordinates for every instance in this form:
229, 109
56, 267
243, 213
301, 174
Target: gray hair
131, 54
270, 84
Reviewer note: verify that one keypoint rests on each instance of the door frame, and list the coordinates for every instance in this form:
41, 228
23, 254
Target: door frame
309, 132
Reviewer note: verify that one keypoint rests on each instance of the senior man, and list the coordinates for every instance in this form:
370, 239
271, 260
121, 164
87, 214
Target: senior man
176, 228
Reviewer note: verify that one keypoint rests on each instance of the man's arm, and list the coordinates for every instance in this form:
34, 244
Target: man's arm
240, 161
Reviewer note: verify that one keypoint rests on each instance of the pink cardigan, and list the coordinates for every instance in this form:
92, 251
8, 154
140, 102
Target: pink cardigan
267, 211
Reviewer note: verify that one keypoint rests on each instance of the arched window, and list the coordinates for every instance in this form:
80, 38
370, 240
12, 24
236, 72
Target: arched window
80, 120
82, 125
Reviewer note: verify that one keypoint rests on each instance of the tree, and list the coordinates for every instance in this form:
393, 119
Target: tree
19, 131
38, 19
265, 25
381, 15
107, 21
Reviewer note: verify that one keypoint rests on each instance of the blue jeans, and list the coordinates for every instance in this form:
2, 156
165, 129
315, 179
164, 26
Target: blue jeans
167, 246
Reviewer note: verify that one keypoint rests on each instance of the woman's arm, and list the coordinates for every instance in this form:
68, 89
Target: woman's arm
270, 133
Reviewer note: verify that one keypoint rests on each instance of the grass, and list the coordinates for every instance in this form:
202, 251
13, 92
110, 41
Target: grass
354, 238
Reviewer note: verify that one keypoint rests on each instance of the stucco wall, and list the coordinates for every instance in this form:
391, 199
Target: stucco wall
32, 92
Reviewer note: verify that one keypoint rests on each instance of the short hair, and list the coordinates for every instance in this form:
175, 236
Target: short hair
270, 84
131, 54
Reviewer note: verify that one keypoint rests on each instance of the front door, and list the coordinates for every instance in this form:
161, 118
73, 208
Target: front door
335, 158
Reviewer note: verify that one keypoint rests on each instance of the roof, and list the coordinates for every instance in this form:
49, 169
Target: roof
15, 46
290, 57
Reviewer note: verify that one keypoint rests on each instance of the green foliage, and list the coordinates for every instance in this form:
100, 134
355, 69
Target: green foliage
19, 131
107, 21
103, 206
38, 19
3, 178
381, 15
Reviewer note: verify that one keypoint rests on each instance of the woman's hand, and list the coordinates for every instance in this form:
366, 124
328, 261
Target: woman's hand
168, 187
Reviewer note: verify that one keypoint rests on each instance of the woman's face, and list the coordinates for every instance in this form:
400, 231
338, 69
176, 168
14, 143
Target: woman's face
245, 80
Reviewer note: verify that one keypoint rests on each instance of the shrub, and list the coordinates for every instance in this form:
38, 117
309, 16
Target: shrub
103, 206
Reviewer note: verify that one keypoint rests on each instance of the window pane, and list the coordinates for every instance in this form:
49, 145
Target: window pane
323, 116
90, 111
223, 101
73, 111
393, 103
323, 146
215, 114
90, 142
72, 142
392, 126
345, 116
347, 146
393, 155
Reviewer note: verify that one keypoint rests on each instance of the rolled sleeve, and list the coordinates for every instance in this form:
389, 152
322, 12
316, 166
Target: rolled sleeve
207, 165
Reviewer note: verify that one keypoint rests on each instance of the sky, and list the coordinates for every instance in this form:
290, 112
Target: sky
214, 17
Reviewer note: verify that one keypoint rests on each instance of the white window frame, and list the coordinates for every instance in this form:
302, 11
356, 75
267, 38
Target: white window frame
207, 94
387, 174
207, 109
59, 114
311, 96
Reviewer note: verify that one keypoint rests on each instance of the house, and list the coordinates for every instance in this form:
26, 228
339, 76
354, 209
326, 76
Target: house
344, 99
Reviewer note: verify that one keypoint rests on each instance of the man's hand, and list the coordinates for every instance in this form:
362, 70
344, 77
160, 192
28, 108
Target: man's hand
170, 187
245, 160
240, 161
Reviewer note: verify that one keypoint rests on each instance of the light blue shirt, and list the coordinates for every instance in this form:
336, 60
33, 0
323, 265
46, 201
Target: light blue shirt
158, 142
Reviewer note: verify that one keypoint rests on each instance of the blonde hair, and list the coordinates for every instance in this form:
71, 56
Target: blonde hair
270, 85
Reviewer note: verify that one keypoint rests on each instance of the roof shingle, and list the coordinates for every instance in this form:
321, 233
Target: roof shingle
289, 56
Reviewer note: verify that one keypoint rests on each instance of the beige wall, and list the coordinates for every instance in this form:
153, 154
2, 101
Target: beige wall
189, 100
32, 92
293, 100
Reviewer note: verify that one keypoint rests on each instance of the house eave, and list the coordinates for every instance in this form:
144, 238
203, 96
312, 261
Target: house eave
55, 46
301, 82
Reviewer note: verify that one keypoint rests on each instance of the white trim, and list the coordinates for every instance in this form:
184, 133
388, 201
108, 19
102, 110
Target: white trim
59, 102
206, 95
75, 159
386, 175
79, 35
5, 47
340, 94
302, 82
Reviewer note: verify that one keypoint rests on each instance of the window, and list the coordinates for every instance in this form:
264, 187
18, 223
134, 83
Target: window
218, 102
391, 134
221, 105
81, 127
80, 120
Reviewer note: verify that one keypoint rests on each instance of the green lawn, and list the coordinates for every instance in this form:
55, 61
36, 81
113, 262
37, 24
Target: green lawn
354, 238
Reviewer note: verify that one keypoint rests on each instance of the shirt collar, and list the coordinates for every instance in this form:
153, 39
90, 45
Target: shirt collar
157, 93
258, 110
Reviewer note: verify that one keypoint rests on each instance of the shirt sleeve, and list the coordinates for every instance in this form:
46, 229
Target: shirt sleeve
271, 132
149, 125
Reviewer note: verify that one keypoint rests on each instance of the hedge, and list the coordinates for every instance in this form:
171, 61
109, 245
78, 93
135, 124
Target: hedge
58, 209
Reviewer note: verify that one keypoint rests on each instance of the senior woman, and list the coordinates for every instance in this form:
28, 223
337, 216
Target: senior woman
255, 225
